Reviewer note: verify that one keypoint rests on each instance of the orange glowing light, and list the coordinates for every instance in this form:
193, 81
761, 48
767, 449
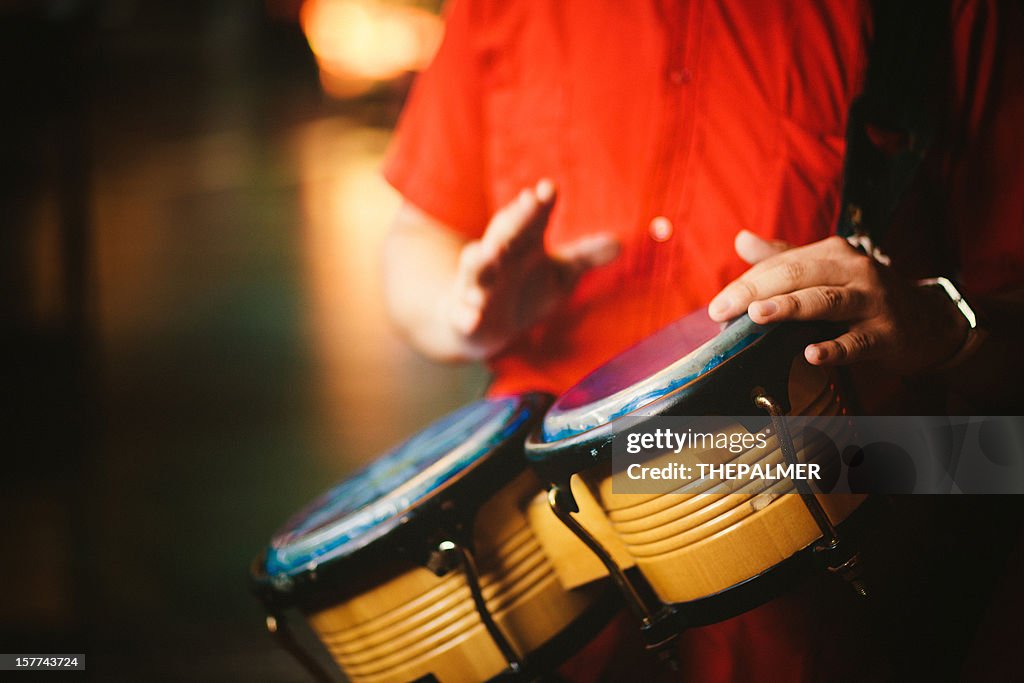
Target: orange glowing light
361, 42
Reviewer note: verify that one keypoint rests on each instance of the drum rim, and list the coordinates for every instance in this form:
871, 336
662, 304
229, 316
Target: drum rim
342, 531
458, 498
691, 366
765, 363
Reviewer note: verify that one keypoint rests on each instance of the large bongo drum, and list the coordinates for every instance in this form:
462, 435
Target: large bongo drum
423, 565
705, 548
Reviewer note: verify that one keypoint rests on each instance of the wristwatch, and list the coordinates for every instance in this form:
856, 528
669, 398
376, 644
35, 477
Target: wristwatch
975, 334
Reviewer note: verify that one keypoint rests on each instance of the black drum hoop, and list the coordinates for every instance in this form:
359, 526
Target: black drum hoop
448, 511
765, 364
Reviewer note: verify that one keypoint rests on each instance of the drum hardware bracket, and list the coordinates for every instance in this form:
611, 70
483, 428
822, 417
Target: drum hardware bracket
441, 549
658, 629
851, 571
277, 625
562, 503
449, 555
444, 558
839, 560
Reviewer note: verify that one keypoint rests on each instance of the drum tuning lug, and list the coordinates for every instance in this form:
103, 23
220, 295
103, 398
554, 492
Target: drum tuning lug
444, 558
278, 626
563, 504
777, 412
852, 572
661, 630
831, 545
560, 498
463, 556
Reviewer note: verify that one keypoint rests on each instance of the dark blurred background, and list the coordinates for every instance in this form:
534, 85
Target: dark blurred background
191, 315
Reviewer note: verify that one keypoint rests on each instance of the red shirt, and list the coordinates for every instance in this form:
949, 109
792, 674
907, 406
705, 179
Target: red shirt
675, 125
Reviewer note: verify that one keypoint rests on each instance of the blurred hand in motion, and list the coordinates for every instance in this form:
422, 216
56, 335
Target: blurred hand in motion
507, 280
907, 328
459, 300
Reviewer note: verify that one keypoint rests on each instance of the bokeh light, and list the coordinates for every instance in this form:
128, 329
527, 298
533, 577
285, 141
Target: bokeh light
360, 43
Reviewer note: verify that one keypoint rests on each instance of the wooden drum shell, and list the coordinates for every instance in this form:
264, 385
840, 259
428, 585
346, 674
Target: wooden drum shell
694, 541
416, 623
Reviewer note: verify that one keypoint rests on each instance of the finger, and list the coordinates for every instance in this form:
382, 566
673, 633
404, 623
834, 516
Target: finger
462, 314
851, 347
586, 253
754, 249
834, 248
545, 191
813, 303
474, 296
465, 319
778, 275
531, 236
520, 223
474, 260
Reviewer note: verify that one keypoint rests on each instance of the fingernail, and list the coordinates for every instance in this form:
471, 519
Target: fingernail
764, 309
719, 306
814, 354
545, 190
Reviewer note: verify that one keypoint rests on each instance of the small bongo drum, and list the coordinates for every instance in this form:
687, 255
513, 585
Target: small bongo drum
705, 550
423, 565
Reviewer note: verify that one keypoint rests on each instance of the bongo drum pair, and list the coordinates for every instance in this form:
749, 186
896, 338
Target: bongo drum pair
442, 561
423, 566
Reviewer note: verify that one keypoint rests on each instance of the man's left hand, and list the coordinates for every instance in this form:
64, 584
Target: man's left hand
907, 328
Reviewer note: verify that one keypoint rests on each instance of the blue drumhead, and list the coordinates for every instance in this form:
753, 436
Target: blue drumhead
371, 503
669, 359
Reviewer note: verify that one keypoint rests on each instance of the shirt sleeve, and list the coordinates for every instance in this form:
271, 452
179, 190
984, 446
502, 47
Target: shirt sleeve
436, 157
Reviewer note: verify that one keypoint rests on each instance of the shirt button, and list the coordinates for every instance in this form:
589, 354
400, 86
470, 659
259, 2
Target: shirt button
680, 76
660, 228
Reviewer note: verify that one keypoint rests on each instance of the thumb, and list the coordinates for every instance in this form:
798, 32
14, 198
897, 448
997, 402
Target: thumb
586, 253
754, 249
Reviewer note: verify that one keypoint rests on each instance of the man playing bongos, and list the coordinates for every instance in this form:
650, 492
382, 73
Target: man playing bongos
577, 175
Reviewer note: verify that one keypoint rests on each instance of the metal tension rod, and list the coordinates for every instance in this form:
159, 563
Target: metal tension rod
558, 499
849, 568
278, 626
466, 560
811, 502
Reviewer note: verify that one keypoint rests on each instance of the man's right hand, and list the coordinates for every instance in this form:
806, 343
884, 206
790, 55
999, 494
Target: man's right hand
506, 281
458, 300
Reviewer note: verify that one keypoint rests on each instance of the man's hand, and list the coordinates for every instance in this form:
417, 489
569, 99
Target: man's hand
457, 300
907, 328
506, 280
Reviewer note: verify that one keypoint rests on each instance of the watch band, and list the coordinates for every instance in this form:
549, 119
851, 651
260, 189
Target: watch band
975, 334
